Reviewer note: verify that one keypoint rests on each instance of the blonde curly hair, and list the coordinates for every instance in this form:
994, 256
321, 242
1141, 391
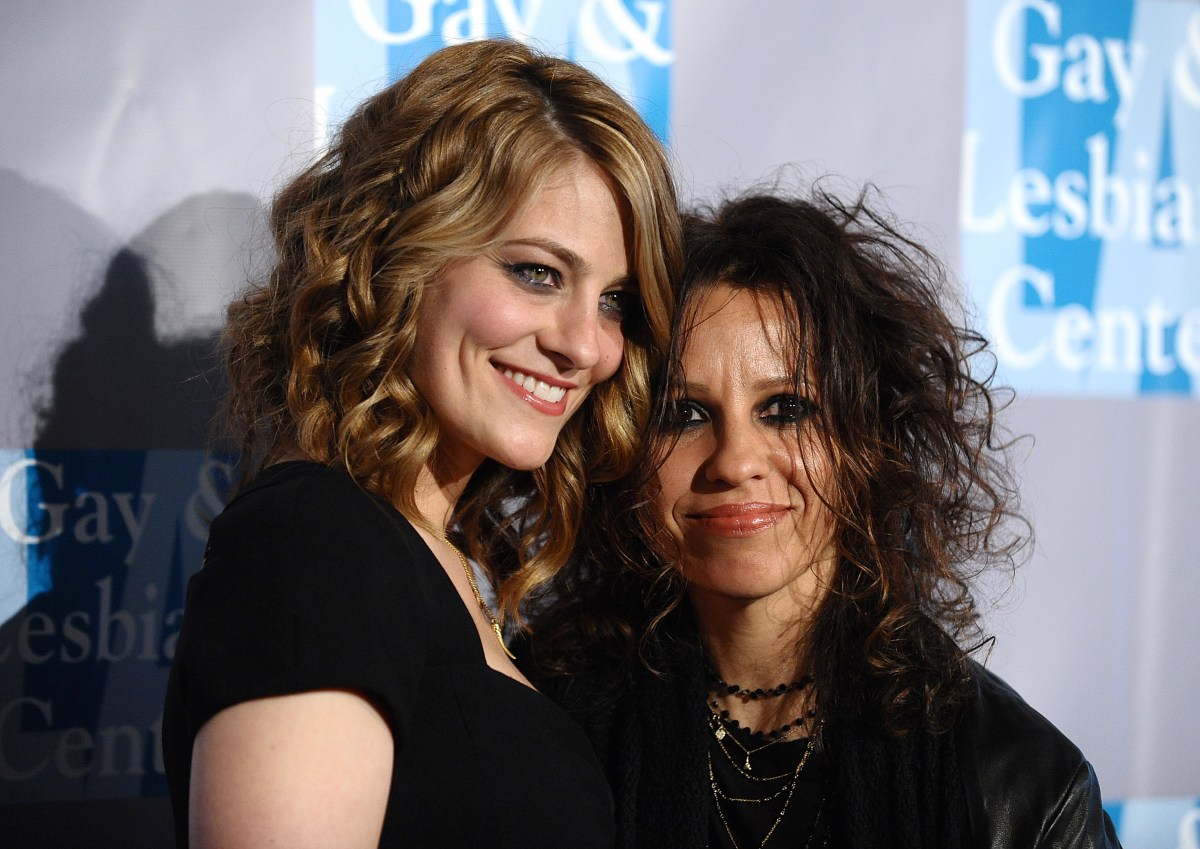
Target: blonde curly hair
428, 171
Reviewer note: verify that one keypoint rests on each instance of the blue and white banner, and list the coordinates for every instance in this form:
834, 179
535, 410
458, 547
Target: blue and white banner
1079, 191
1167, 823
363, 43
131, 215
95, 551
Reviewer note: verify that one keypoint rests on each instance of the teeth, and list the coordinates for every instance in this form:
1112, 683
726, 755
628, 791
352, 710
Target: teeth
537, 388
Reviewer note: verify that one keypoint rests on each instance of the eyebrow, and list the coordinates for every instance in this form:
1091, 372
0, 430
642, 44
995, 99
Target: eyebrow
574, 262
758, 385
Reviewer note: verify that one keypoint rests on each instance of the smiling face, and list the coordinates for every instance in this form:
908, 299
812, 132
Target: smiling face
511, 341
740, 490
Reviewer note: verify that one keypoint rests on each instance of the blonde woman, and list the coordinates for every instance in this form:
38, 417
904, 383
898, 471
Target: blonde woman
454, 344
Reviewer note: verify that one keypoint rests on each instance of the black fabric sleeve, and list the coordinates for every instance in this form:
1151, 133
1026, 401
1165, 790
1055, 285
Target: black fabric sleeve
309, 584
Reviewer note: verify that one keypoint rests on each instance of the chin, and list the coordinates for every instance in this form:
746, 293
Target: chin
525, 459
744, 588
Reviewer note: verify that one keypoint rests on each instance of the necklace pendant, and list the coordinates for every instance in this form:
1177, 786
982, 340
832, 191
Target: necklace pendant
720, 732
748, 762
500, 636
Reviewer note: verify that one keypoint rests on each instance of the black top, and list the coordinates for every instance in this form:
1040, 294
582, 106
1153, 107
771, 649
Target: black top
311, 583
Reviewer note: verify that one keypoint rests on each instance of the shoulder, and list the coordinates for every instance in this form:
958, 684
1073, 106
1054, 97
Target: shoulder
310, 512
308, 583
297, 492
1026, 784
307, 539
1000, 723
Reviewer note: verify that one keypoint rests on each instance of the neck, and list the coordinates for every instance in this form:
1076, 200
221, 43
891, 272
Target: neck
759, 643
756, 645
749, 651
437, 492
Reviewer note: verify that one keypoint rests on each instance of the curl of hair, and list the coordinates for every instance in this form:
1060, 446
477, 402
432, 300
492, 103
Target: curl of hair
428, 171
906, 412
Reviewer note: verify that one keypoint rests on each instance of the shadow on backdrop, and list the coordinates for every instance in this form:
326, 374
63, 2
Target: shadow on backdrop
83, 664
117, 388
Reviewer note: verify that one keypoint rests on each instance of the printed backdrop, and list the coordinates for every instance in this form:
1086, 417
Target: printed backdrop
1049, 150
1080, 182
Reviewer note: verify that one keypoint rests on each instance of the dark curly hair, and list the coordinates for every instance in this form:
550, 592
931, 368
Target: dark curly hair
907, 415
426, 172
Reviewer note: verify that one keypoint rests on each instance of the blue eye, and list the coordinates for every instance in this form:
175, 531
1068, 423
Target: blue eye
618, 304
533, 275
786, 409
683, 414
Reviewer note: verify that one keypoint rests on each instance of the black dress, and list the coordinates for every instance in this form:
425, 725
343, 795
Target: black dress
311, 583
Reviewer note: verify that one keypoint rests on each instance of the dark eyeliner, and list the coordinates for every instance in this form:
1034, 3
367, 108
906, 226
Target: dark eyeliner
519, 271
792, 409
683, 414
625, 302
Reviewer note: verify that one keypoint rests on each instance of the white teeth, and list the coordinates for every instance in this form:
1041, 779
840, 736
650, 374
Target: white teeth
537, 388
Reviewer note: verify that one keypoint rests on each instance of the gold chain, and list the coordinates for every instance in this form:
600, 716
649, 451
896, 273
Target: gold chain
717, 723
789, 788
745, 773
722, 735
483, 605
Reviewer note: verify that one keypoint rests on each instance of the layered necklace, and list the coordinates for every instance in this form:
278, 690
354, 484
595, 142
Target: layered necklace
777, 787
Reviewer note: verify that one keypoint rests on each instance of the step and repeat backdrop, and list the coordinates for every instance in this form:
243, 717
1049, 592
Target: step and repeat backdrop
1050, 151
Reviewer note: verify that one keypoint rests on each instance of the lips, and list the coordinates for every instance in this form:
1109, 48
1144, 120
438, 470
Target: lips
539, 389
739, 520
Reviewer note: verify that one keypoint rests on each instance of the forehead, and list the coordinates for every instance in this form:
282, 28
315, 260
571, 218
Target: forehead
574, 199
576, 181
734, 335
733, 319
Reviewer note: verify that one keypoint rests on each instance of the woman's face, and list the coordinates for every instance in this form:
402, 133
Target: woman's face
740, 491
510, 342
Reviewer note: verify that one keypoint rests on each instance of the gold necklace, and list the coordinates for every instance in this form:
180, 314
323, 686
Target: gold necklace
483, 605
789, 788
718, 718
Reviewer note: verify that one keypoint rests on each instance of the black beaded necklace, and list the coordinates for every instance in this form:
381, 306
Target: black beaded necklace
761, 789
722, 718
722, 687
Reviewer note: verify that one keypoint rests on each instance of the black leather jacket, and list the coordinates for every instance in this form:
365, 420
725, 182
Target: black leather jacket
1026, 785
1023, 784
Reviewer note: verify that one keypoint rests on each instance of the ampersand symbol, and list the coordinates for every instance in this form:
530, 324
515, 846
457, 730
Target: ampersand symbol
1187, 64
639, 41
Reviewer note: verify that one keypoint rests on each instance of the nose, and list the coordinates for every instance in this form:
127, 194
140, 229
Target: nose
573, 337
738, 455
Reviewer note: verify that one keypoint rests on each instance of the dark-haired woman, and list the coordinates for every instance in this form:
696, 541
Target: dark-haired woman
770, 638
453, 344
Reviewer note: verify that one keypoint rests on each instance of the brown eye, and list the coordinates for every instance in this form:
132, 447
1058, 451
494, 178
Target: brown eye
684, 414
786, 409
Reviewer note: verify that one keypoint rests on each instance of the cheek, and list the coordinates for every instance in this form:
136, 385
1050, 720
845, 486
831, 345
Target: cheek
662, 497
818, 490
458, 318
671, 485
496, 323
